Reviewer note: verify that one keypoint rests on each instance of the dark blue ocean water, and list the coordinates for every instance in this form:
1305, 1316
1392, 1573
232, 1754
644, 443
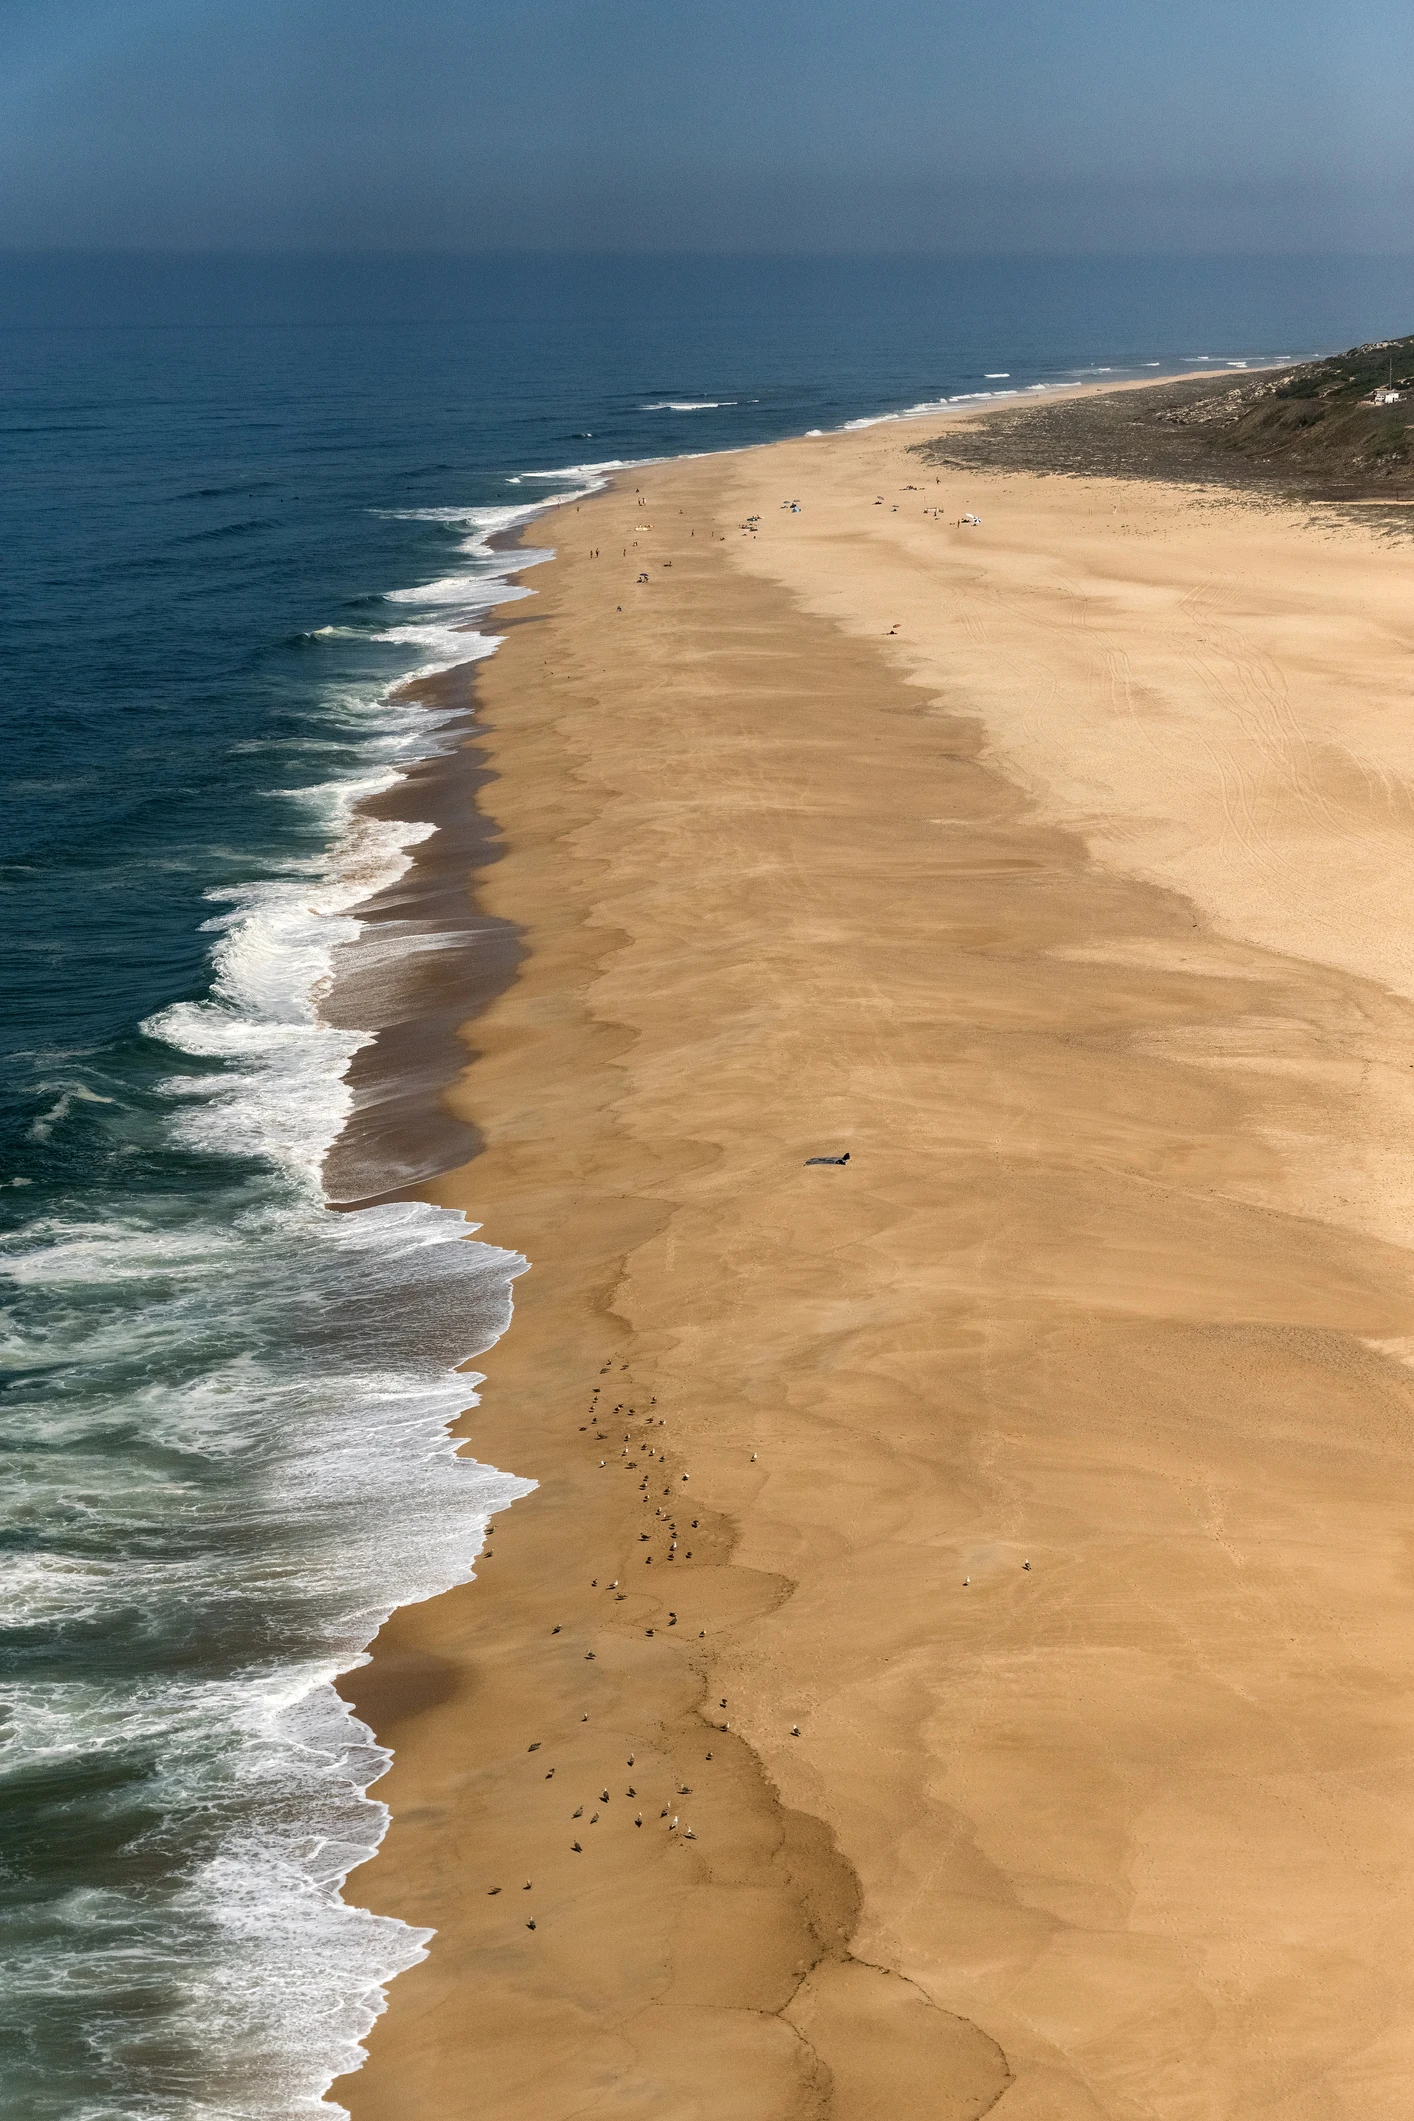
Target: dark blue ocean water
240, 501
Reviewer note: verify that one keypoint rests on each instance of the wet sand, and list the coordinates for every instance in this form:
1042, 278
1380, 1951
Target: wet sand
428, 961
1075, 910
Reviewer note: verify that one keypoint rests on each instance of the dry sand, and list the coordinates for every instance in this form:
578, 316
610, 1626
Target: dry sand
1075, 910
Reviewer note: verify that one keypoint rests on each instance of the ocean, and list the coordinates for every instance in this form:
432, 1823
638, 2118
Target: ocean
243, 502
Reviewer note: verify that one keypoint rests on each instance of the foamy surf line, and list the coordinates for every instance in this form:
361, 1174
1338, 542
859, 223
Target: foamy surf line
380, 1507
444, 630
285, 1382
388, 1512
453, 605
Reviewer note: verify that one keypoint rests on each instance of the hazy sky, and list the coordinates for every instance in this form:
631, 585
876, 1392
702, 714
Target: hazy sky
914, 125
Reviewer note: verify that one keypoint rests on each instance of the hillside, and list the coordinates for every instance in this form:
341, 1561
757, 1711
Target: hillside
1311, 431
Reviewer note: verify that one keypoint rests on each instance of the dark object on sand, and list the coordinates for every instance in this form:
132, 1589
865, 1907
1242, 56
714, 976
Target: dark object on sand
828, 1159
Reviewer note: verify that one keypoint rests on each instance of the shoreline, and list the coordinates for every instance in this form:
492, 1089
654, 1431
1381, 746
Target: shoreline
400, 1103
393, 980
646, 1099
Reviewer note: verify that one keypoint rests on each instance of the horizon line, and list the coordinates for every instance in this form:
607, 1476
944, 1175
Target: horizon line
443, 253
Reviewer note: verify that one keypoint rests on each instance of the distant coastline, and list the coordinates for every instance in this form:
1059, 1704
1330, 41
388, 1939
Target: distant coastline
1333, 430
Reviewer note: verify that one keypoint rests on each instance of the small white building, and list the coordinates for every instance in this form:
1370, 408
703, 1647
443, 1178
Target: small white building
1385, 397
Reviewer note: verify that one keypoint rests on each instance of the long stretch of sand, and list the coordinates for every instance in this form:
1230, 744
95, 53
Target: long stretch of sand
1057, 869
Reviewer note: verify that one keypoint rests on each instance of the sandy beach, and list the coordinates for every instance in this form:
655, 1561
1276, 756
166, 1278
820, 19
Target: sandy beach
959, 1657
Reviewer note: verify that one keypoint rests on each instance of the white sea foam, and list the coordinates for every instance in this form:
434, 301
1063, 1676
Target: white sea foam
447, 634
688, 405
344, 1497
442, 647
69, 1095
258, 1452
596, 474
356, 1458
383, 1510
931, 406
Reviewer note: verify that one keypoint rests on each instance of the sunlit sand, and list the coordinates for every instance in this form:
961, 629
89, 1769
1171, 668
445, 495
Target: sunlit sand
1035, 1664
